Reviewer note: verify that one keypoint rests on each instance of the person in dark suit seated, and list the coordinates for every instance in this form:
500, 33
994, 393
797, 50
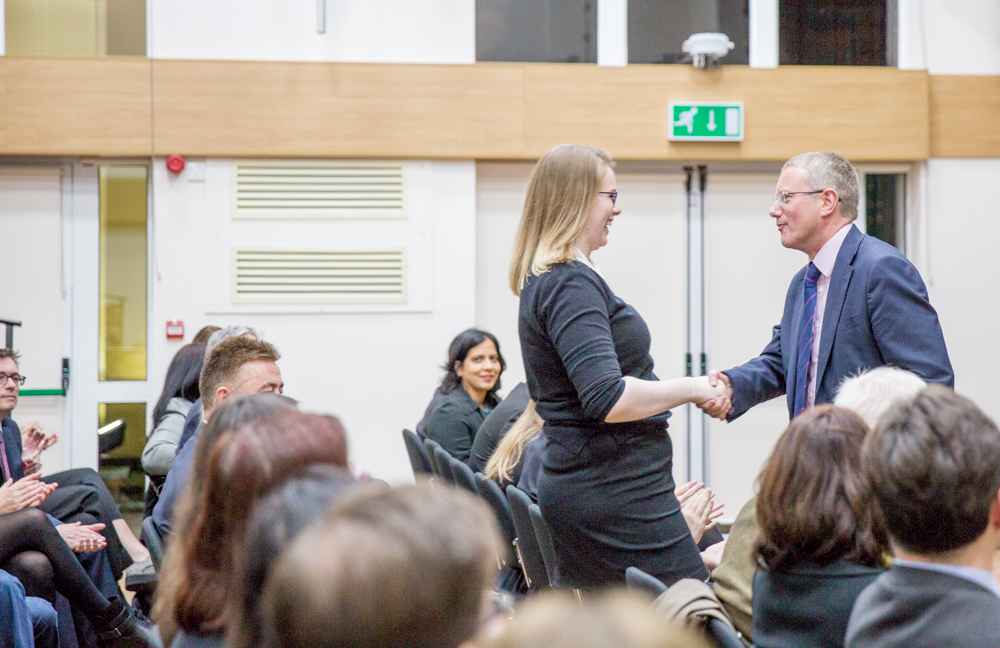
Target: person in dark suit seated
469, 391
858, 303
820, 541
496, 425
933, 468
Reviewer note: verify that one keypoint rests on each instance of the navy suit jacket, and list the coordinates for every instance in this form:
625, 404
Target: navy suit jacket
877, 313
12, 443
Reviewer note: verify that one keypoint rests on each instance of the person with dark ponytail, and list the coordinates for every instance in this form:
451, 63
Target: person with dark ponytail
469, 391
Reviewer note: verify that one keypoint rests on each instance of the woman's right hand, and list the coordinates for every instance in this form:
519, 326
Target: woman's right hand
702, 390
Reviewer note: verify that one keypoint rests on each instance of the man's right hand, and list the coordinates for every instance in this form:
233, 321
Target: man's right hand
23, 493
719, 407
82, 538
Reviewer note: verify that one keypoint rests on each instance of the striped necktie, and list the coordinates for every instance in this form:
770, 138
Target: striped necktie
805, 338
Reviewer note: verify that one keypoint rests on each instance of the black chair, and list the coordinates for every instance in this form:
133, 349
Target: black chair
721, 635
463, 476
444, 465
420, 461
111, 436
490, 492
544, 537
431, 446
528, 551
151, 537
636, 579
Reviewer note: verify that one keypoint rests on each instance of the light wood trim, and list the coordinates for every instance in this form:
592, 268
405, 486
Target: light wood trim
77, 106
102, 106
3, 104
965, 116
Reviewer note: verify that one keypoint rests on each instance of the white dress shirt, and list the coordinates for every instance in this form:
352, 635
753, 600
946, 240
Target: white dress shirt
824, 261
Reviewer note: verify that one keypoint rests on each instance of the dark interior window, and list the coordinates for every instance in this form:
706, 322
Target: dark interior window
543, 31
884, 207
837, 32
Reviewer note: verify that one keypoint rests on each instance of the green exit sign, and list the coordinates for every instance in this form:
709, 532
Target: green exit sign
702, 121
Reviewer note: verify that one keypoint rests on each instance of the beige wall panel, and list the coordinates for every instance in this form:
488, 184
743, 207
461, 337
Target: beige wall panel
310, 109
3, 103
964, 112
862, 113
78, 106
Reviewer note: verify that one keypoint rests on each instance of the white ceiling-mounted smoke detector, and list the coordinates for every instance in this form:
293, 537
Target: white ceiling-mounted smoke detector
707, 48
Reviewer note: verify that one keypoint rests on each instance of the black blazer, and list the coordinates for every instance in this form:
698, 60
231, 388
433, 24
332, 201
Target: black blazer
920, 608
809, 606
454, 423
12, 443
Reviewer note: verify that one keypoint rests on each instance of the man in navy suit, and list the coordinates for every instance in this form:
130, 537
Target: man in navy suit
858, 304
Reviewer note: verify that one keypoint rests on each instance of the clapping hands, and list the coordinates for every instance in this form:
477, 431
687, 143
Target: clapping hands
23, 493
34, 442
698, 507
82, 538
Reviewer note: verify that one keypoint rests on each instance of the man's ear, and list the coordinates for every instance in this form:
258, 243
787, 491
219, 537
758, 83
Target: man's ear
830, 202
221, 394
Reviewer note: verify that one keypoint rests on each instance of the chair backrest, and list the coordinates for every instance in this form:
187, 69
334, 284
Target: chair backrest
545, 544
420, 461
444, 464
636, 579
528, 551
431, 446
463, 476
150, 537
490, 492
721, 635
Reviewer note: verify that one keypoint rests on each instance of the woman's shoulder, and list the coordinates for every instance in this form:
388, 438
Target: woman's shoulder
568, 274
457, 401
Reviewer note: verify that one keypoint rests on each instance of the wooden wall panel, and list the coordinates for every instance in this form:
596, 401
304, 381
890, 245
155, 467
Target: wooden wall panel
965, 116
316, 109
862, 113
78, 106
3, 104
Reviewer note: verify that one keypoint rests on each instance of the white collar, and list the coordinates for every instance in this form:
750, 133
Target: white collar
582, 258
826, 258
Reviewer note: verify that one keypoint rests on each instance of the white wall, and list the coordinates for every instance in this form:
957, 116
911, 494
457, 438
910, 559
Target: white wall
963, 228
950, 36
376, 371
368, 31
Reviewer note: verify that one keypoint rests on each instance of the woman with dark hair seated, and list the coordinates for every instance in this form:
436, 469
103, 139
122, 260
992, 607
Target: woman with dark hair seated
469, 391
820, 540
180, 391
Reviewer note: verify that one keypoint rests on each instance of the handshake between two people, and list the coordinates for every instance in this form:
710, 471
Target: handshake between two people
714, 394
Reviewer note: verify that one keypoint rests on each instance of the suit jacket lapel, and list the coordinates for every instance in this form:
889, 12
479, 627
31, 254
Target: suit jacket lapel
839, 281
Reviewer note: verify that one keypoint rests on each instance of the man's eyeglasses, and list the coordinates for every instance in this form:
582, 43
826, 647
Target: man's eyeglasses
782, 197
17, 378
613, 194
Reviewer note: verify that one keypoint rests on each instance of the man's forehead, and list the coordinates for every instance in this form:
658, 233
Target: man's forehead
258, 367
7, 363
791, 178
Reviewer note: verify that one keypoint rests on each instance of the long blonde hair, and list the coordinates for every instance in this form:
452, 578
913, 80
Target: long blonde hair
508, 452
563, 186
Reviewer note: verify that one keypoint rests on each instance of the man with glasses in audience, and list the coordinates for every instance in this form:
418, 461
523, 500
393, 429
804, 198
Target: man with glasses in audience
858, 304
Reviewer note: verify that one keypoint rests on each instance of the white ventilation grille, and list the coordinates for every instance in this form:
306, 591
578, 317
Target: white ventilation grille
319, 189
319, 276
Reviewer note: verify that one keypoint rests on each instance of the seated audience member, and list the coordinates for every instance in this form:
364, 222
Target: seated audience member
933, 468
180, 391
558, 620
243, 465
431, 406
51, 566
820, 541
25, 621
277, 520
400, 568
871, 393
700, 513
203, 335
239, 366
73, 496
518, 457
196, 416
469, 388
495, 426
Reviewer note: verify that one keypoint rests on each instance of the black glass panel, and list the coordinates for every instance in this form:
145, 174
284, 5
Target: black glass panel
884, 199
657, 28
543, 31
833, 32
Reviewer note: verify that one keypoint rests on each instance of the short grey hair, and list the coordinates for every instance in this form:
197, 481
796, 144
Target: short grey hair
826, 170
228, 332
871, 393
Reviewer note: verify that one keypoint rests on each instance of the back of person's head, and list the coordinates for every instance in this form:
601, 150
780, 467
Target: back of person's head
813, 507
618, 619
277, 520
224, 363
205, 334
561, 191
242, 466
457, 352
826, 170
220, 335
401, 568
871, 393
933, 467
508, 452
183, 376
